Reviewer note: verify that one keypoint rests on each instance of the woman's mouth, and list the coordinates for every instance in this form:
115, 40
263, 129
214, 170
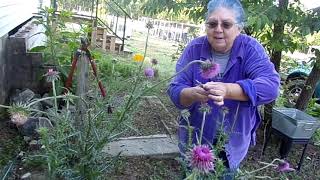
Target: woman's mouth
219, 39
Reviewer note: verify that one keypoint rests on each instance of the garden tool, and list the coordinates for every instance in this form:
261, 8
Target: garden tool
84, 47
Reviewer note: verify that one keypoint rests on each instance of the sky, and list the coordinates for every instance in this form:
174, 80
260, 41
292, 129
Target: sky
309, 4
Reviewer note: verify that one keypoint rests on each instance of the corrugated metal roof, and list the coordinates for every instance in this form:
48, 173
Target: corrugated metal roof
15, 12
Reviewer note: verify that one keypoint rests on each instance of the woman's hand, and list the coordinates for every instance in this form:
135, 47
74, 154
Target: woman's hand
193, 94
218, 91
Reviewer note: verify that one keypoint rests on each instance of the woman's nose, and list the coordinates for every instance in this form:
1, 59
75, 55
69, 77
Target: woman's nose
218, 28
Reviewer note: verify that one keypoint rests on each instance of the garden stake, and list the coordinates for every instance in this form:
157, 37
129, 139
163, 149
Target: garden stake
84, 47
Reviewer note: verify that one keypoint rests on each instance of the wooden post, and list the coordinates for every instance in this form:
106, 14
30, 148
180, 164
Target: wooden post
104, 39
82, 87
94, 35
116, 29
124, 32
112, 43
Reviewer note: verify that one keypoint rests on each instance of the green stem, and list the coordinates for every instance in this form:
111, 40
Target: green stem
155, 85
202, 126
264, 167
112, 70
55, 95
222, 121
129, 102
4, 106
46, 98
146, 46
235, 118
190, 132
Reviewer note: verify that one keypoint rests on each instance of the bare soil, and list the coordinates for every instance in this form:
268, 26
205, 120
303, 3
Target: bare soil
152, 118
310, 166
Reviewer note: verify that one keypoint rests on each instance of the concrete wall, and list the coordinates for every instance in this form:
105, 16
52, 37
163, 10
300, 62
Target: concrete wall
3, 83
12, 14
23, 68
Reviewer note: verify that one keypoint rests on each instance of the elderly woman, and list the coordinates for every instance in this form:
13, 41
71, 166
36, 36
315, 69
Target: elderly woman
246, 79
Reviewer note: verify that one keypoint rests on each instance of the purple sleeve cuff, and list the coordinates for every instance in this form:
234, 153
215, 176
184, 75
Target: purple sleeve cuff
249, 89
174, 92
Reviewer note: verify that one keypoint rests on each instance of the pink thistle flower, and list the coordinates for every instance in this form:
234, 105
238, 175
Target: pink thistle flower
149, 72
209, 69
284, 167
202, 159
52, 75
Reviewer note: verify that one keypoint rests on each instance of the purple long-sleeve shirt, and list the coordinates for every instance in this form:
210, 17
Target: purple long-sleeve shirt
250, 67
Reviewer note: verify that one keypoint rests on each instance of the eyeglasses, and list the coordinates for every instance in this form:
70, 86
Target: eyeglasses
223, 24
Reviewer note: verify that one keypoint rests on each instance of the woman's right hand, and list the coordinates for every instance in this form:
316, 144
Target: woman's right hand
193, 94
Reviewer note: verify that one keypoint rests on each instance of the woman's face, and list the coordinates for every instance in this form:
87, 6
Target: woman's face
222, 29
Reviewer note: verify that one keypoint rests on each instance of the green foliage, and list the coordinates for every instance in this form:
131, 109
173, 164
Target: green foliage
70, 151
315, 39
110, 68
265, 16
175, 56
314, 110
10, 148
74, 4
262, 17
61, 43
316, 137
194, 9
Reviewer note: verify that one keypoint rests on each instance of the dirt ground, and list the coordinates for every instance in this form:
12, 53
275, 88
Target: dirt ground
152, 118
10, 144
309, 169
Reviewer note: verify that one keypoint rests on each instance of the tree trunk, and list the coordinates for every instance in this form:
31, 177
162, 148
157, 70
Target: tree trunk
310, 85
278, 32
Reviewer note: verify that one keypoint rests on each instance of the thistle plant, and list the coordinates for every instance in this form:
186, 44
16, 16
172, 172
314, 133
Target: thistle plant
202, 159
19, 113
52, 76
209, 69
278, 165
204, 108
149, 72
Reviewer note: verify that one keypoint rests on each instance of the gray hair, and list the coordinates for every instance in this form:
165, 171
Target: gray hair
233, 5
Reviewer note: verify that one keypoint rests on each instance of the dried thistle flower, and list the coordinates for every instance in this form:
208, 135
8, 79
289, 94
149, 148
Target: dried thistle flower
19, 113
185, 114
204, 107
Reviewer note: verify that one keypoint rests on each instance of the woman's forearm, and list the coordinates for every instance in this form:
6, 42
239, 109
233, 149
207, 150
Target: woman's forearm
186, 97
235, 92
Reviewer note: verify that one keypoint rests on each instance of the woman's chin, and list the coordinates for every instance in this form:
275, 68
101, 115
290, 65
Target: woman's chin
221, 49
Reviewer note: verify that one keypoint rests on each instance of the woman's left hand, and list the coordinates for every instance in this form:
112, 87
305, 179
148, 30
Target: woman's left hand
218, 91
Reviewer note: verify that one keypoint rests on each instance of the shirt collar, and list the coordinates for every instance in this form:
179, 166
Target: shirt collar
236, 50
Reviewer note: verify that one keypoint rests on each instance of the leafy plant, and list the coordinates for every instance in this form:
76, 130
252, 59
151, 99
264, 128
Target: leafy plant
61, 41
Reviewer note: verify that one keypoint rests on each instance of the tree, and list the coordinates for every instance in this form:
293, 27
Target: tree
310, 85
194, 9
